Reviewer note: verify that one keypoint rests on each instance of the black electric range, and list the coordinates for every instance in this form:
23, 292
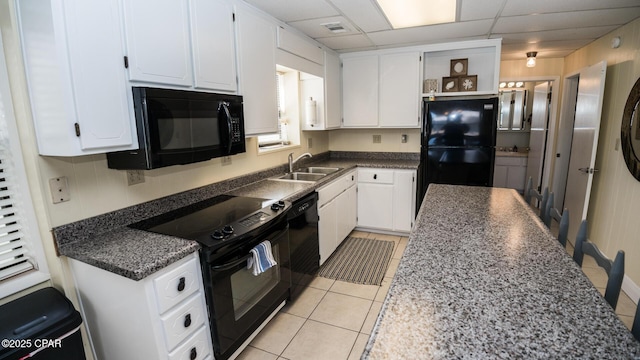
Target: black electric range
219, 221
228, 228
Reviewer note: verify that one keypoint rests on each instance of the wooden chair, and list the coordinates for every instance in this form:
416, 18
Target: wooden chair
614, 269
635, 329
531, 193
551, 213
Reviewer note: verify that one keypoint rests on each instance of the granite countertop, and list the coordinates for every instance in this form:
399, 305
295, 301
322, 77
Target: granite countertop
512, 154
108, 243
482, 277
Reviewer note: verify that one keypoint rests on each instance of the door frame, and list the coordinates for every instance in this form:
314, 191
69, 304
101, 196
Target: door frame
551, 126
565, 135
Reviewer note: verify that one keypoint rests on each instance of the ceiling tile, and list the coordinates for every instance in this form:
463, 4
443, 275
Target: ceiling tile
314, 29
349, 42
479, 9
555, 35
364, 13
432, 34
526, 7
288, 10
565, 20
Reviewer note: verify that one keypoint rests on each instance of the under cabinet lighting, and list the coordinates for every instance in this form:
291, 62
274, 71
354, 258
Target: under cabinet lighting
410, 13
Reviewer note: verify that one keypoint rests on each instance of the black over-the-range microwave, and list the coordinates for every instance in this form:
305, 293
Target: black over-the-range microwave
181, 127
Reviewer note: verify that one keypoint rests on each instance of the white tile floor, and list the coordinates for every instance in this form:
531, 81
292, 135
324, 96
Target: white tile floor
332, 319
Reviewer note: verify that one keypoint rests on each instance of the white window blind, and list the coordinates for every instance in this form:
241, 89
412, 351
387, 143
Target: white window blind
277, 138
15, 256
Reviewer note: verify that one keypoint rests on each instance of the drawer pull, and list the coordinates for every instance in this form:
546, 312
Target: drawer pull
187, 320
181, 283
352, 177
375, 176
194, 354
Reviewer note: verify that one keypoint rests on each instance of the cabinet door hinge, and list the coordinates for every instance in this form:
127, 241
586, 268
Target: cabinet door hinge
77, 127
126, 62
233, 16
420, 58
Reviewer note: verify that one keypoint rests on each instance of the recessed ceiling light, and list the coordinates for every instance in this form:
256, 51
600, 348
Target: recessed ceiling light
409, 13
335, 27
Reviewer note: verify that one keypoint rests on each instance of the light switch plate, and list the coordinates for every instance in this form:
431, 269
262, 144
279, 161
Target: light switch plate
59, 189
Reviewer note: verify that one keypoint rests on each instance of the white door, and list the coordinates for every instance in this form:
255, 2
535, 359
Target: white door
327, 229
214, 50
257, 71
538, 135
375, 206
158, 41
360, 91
332, 91
584, 144
399, 93
404, 195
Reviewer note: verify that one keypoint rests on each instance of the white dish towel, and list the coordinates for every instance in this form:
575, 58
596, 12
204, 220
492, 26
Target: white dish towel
261, 258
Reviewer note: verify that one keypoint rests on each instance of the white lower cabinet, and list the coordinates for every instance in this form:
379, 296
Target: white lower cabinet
337, 213
162, 316
386, 199
510, 172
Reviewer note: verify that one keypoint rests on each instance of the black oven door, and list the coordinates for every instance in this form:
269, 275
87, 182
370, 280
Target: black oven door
240, 301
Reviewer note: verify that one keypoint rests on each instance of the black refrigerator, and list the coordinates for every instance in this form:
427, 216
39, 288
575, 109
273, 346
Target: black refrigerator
458, 141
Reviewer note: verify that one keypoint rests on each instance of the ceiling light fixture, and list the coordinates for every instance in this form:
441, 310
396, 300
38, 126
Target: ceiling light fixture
410, 13
531, 58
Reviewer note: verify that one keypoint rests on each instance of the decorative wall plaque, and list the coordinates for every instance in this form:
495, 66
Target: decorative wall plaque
459, 67
450, 84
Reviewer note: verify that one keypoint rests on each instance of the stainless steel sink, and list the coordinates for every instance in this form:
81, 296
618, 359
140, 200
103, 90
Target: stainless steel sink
300, 177
319, 170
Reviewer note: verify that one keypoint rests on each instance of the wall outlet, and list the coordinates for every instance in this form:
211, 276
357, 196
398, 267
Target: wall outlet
135, 177
226, 160
309, 143
59, 189
403, 138
377, 139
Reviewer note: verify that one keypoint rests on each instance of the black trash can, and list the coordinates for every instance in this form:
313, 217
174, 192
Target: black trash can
43, 325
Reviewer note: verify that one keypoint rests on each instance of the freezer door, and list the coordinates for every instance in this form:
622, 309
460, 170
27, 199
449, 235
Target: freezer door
460, 123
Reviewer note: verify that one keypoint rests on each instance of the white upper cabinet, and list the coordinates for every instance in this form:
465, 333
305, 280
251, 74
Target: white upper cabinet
257, 71
214, 48
332, 91
73, 58
300, 46
158, 41
382, 90
360, 91
184, 43
400, 90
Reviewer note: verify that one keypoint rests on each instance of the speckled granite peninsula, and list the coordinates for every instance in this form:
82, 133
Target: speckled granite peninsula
482, 278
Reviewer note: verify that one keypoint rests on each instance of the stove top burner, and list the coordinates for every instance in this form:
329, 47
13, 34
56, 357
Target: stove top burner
219, 219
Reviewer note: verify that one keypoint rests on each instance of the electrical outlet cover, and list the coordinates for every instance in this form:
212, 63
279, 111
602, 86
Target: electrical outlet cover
59, 189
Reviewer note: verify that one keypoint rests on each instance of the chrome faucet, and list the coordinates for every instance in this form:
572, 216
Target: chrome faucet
292, 161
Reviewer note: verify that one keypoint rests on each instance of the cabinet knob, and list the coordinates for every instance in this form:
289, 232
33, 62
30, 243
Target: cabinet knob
187, 320
194, 354
181, 283
352, 177
375, 176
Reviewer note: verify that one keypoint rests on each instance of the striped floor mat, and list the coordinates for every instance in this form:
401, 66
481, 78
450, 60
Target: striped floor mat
359, 261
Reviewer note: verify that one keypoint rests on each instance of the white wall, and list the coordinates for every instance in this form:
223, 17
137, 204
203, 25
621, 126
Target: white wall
615, 196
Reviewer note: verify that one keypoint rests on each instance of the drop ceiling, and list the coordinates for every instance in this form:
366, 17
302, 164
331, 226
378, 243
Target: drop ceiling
553, 28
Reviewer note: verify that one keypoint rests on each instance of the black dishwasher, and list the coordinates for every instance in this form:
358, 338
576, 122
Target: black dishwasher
303, 242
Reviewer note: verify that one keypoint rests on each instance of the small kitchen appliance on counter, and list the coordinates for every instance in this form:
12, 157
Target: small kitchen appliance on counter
228, 228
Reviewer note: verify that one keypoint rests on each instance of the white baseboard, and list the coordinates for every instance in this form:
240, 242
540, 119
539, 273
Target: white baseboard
631, 289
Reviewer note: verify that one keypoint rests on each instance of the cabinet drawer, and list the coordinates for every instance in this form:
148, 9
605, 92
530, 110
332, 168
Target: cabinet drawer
335, 188
351, 178
377, 176
184, 320
176, 285
195, 348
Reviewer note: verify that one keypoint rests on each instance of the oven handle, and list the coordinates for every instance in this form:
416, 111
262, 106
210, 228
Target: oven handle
230, 265
235, 263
